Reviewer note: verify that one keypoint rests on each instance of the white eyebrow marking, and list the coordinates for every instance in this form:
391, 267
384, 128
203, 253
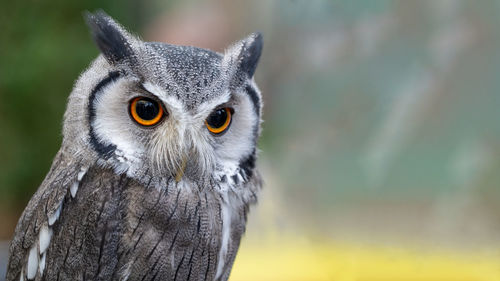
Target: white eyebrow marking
172, 102
206, 108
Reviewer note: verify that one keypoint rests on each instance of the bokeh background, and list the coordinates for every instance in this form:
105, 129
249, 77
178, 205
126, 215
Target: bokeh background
381, 141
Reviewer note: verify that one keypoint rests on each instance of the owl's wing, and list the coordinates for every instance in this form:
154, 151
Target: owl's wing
113, 228
33, 230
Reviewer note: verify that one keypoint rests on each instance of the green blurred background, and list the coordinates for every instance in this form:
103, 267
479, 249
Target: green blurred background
382, 120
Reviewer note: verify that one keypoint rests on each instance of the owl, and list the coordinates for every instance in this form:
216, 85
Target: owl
156, 170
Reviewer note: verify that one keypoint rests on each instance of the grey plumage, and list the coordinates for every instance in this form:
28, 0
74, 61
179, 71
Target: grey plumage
163, 202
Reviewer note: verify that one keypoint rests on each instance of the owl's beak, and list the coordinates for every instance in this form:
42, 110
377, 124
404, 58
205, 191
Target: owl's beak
180, 171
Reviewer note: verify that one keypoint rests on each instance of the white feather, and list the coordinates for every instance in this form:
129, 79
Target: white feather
44, 239
226, 229
32, 263
82, 173
52, 219
41, 264
126, 271
74, 188
174, 105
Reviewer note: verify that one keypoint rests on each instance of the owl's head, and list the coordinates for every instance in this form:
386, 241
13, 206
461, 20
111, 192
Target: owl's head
161, 112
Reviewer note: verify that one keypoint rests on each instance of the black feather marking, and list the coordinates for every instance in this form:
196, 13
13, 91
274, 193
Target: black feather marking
254, 97
248, 164
179, 267
110, 40
137, 242
196, 208
157, 270
149, 181
208, 267
257, 104
158, 198
173, 242
66, 255
244, 214
198, 225
175, 208
101, 248
146, 273
190, 269
101, 211
185, 207
251, 54
105, 150
138, 223
235, 179
156, 245
156, 274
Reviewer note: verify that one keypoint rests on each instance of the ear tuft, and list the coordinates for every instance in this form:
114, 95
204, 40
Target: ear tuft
111, 39
243, 56
250, 55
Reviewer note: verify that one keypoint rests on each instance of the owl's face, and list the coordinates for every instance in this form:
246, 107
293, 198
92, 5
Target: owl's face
166, 113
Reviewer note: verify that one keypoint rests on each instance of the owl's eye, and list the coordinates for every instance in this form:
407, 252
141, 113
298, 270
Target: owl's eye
219, 120
146, 111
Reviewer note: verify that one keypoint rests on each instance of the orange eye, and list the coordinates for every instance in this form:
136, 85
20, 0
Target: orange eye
146, 111
219, 120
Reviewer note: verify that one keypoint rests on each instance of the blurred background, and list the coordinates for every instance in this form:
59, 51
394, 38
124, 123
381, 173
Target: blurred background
381, 141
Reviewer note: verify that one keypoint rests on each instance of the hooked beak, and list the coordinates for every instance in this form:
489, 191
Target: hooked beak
180, 171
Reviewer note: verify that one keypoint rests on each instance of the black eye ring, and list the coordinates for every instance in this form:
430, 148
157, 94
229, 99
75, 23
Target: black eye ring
219, 120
